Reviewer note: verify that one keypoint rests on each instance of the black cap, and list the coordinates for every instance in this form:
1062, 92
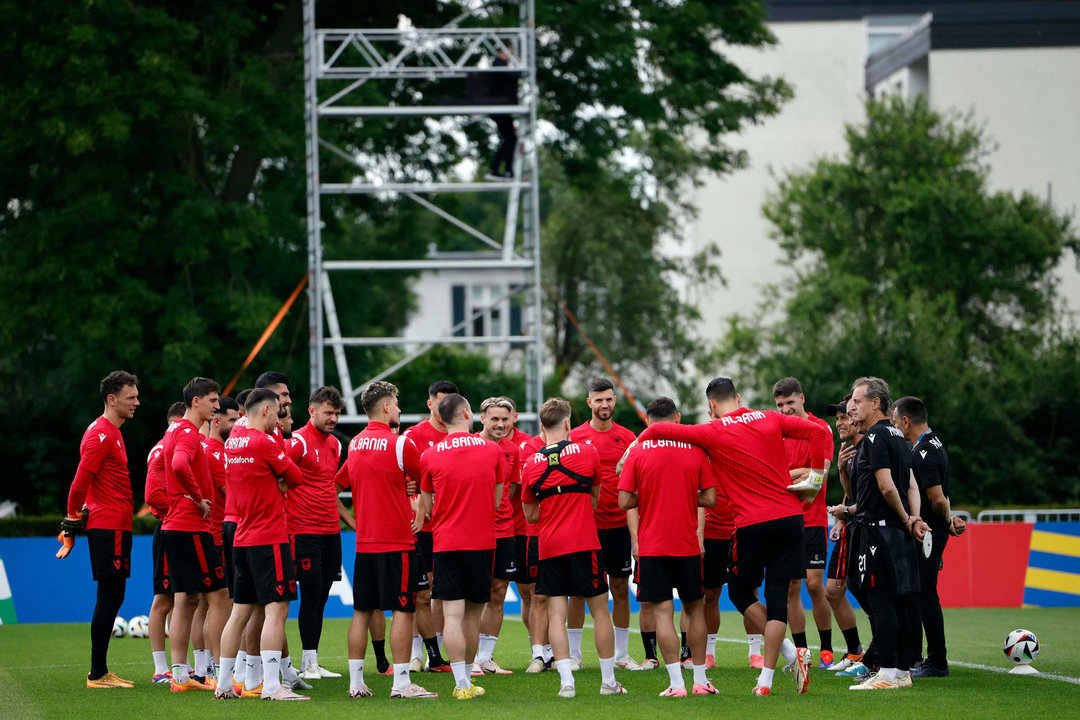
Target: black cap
837, 408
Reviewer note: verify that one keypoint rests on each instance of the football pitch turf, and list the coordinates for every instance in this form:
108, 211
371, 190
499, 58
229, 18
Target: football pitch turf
42, 671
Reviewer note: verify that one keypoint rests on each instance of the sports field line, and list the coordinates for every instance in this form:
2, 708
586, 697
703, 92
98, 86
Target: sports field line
972, 666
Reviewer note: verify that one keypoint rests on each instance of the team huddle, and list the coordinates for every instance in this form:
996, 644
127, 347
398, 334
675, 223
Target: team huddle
446, 518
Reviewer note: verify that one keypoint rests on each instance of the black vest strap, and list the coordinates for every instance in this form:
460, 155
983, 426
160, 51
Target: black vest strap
552, 452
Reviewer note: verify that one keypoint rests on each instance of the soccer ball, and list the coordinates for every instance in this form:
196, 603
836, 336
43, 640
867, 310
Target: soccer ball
119, 628
139, 627
1021, 646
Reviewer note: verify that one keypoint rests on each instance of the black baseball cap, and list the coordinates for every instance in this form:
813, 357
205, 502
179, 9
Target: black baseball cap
837, 408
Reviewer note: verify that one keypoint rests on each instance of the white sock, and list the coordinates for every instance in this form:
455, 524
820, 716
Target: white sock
254, 672
565, 676
675, 678
549, 655
607, 670
699, 675
754, 641
442, 647
161, 665
765, 678
710, 644
288, 672
622, 642
201, 661
356, 674
485, 648
227, 665
271, 661
418, 647
789, 651
180, 674
538, 651
461, 675
309, 658
887, 674
574, 635
240, 671
901, 674
401, 676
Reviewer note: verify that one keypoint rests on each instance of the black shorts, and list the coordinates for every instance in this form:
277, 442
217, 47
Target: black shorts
532, 558
162, 586
264, 574
521, 548
417, 560
578, 574
318, 559
385, 581
659, 575
110, 553
838, 558
425, 544
774, 548
194, 562
885, 561
816, 540
228, 535
506, 567
617, 550
463, 575
715, 563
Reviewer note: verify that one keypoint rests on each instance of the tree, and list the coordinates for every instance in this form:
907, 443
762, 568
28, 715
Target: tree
152, 187
907, 266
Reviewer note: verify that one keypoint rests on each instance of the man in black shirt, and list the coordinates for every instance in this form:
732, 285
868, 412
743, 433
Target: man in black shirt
883, 564
930, 465
504, 89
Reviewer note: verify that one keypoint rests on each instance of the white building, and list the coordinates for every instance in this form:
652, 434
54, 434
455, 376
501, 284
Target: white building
1015, 64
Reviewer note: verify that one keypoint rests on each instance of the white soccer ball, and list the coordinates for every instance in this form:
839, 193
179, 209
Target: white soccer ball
119, 628
139, 627
1021, 646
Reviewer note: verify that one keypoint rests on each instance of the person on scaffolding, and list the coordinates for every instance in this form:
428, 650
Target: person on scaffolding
503, 89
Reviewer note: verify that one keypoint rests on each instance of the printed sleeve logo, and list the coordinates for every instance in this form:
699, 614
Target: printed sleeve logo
101, 437
870, 437
923, 453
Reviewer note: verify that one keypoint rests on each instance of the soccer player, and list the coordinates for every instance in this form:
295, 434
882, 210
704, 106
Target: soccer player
748, 445
158, 500
495, 416
667, 482
429, 618
259, 473
315, 515
381, 469
835, 584
930, 465
461, 483
883, 565
216, 433
790, 400
102, 488
194, 563
524, 581
561, 485
610, 440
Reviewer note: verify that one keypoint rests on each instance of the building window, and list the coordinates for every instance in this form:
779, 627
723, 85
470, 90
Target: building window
485, 310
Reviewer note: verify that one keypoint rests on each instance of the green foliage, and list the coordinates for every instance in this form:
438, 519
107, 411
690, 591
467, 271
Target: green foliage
152, 194
907, 266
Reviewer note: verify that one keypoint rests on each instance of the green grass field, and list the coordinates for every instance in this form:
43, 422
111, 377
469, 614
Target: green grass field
42, 669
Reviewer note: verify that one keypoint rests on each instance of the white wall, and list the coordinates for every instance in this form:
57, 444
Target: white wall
823, 61
1029, 99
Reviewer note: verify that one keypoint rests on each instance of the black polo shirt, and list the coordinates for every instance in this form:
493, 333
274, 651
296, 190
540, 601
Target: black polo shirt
883, 446
930, 463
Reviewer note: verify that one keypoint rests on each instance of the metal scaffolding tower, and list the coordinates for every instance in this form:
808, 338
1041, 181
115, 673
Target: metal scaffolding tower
346, 59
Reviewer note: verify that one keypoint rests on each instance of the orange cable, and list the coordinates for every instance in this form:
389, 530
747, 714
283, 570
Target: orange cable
266, 334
